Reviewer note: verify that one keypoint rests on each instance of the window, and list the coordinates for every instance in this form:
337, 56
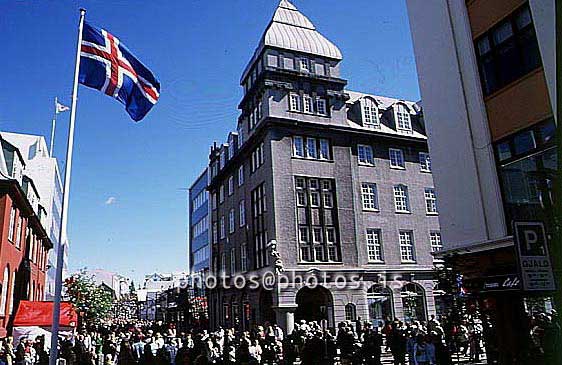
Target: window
294, 102
317, 240
365, 155
321, 106
508, 51
222, 159
369, 196
223, 227
215, 233
374, 247
425, 162
240, 134
311, 151
223, 263
4, 298
298, 146
370, 114
317, 235
401, 201
288, 63
300, 185
11, 228
396, 157
231, 224
259, 113
430, 201
307, 104
18, 231
230, 185
221, 194
241, 175
257, 158
435, 241
324, 149
232, 261
403, 122
350, 312
305, 65
407, 246
243, 257
242, 213
231, 147
259, 226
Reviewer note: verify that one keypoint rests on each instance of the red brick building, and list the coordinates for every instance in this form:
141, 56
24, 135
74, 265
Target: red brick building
24, 242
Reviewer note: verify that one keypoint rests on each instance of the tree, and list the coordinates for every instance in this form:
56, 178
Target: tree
91, 302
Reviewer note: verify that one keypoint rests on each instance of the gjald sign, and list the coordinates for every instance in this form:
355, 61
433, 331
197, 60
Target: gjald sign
532, 251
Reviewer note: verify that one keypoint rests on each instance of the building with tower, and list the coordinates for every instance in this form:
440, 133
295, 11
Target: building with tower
322, 184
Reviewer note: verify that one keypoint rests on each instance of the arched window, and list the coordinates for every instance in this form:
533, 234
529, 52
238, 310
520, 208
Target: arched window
350, 312
413, 302
370, 113
5, 284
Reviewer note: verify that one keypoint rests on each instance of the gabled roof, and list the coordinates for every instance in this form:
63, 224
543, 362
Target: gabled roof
289, 29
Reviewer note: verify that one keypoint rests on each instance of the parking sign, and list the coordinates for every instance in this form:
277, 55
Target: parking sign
532, 251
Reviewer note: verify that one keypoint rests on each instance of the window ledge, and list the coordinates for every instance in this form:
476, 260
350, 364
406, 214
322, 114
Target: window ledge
308, 113
375, 262
408, 262
403, 212
425, 171
312, 159
433, 214
397, 168
371, 210
320, 263
366, 164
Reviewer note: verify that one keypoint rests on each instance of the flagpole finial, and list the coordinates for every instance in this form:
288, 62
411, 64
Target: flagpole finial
82, 11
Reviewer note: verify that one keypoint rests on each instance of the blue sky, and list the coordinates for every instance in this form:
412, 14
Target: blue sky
128, 208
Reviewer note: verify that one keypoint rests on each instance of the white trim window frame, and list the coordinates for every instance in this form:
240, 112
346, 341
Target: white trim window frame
230, 185
231, 221
370, 114
365, 155
430, 201
242, 213
243, 257
369, 198
396, 158
311, 148
425, 162
374, 245
401, 199
403, 118
324, 150
321, 106
241, 175
294, 102
407, 250
307, 104
304, 65
435, 241
298, 146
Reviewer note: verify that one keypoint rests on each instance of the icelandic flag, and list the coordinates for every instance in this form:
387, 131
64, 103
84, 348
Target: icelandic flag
107, 65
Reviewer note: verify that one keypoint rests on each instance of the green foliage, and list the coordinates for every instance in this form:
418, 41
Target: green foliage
90, 301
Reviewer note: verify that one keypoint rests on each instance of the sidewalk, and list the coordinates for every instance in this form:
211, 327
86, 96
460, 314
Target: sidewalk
387, 359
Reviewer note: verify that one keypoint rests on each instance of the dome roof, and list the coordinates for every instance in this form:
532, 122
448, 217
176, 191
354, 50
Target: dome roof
289, 29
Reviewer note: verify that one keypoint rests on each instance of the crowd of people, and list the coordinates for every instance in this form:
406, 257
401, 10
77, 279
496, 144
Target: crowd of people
435, 342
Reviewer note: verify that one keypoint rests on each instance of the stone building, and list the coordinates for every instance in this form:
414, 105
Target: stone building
319, 184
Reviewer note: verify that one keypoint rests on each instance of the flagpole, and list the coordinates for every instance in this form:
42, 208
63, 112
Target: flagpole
53, 126
65, 200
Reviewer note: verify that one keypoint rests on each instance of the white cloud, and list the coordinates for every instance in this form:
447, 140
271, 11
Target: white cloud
111, 200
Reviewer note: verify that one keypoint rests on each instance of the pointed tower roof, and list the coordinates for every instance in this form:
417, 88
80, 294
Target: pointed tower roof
290, 29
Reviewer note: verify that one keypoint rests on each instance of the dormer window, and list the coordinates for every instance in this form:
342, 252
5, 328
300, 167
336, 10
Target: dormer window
240, 134
231, 147
370, 114
305, 65
402, 115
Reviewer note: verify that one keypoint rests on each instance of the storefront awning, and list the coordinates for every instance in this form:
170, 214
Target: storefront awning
41, 314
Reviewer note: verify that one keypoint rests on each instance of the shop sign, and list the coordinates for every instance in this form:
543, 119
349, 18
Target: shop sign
531, 246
